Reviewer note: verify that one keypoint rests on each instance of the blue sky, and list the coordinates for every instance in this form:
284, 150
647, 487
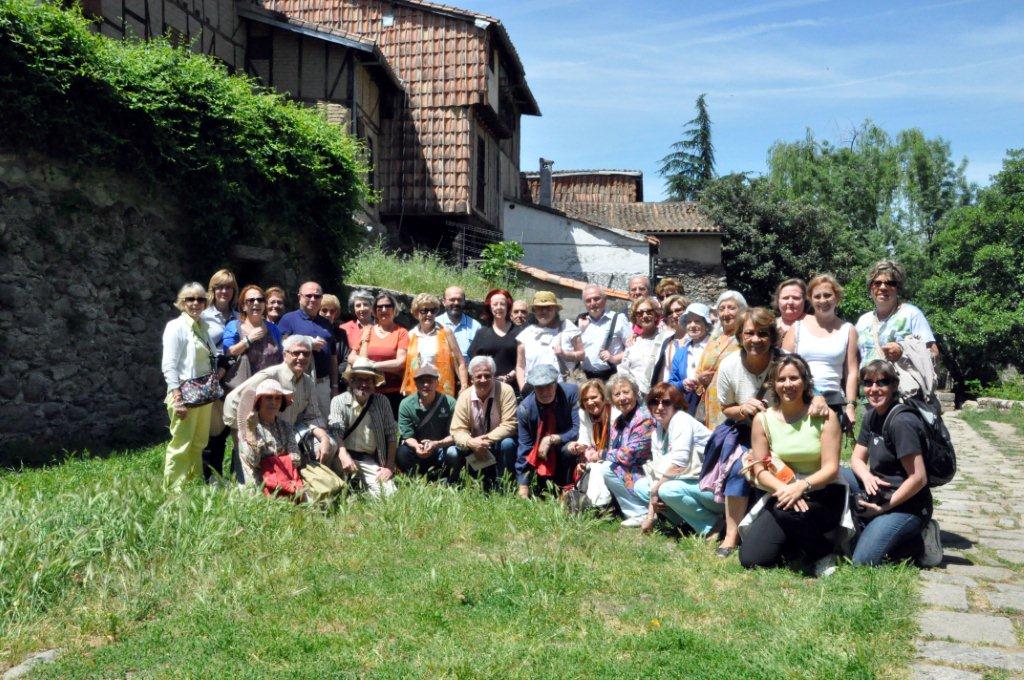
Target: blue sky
616, 81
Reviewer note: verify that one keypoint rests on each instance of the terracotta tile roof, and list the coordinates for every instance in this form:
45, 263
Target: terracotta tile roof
564, 173
565, 281
670, 217
589, 186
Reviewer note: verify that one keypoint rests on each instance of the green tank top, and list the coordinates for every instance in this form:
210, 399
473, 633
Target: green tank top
797, 444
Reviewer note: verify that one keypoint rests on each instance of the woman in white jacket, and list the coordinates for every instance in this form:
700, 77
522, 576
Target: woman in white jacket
187, 353
677, 452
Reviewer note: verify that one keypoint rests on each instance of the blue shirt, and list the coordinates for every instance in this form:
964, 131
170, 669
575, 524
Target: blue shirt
215, 322
464, 331
233, 333
300, 323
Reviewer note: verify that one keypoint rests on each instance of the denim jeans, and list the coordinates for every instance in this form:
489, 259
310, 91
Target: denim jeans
883, 533
505, 453
630, 502
685, 502
443, 462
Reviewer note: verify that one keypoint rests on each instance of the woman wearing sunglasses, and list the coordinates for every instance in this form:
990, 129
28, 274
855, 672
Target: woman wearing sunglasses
432, 344
386, 344
880, 333
640, 359
888, 469
252, 334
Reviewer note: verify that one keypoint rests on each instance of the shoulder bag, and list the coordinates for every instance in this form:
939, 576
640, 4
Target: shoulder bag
772, 463
205, 389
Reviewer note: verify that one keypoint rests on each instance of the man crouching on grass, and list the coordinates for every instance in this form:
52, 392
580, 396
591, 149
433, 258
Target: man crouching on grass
362, 423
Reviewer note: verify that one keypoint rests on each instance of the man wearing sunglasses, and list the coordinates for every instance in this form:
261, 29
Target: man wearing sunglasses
306, 320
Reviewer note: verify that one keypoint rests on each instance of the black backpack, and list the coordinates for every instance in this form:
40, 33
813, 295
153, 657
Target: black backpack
939, 455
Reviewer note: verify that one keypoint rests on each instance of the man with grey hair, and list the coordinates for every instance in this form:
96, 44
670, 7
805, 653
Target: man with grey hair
639, 287
304, 409
547, 421
604, 337
484, 422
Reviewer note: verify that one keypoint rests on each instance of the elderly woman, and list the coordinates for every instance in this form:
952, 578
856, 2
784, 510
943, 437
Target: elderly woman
684, 373
804, 505
386, 344
497, 338
640, 359
330, 309
894, 502
790, 301
730, 305
829, 345
188, 352
673, 330
431, 344
596, 416
629, 449
677, 452
360, 304
667, 287
276, 305
261, 432
252, 335
551, 341
884, 332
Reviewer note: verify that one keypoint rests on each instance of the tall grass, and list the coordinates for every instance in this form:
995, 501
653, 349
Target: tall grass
436, 582
420, 272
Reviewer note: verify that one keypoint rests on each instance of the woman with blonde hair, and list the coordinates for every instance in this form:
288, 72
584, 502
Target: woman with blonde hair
188, 353
221, 295
432, 344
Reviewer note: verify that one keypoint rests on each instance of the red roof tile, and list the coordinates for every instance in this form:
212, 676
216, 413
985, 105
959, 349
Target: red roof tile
669, 217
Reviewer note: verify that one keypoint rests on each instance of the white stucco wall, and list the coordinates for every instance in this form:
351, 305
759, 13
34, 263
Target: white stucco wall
566, 247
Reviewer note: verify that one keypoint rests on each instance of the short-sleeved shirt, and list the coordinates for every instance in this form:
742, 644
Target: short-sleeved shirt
907, 320
300, 323
386, 349
595, 335
539, 342
735, 383
465, 330
410, 413
216, 320
907, 436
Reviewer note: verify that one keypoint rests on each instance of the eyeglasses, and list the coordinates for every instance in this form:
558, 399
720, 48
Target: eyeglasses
881, 382
195, 299
664, 403
427, 310
298, 352
878, 283
312, 296
383, 307
255, 301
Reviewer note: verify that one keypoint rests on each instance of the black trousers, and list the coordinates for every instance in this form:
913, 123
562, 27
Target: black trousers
213, 455
778, 533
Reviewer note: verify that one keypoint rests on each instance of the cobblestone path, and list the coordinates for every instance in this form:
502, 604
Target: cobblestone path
973, 612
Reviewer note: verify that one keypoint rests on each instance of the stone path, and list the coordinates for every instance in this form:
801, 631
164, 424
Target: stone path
973, 616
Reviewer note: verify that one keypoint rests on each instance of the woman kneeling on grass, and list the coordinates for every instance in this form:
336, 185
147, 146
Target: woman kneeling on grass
677, 451
261, 432
799, 513
895, 501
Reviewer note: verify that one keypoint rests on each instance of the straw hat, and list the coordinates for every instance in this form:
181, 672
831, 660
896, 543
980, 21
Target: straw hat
545, 298
251, 395
363, 366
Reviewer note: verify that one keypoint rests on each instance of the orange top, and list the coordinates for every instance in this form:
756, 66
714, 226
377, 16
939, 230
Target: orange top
386, 349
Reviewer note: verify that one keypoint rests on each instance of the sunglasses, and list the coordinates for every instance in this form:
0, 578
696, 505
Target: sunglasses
881, 382
195, 299
427, 310
645, 312
298, 353
255, 301
878, 283
312, 296
664, 403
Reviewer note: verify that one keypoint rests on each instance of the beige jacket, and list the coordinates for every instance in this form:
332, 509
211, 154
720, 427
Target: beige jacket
462, 419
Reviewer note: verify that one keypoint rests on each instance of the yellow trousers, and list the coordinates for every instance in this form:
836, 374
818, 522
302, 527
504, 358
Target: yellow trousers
189, 435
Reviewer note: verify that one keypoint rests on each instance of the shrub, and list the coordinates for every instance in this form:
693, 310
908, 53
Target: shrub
239, 158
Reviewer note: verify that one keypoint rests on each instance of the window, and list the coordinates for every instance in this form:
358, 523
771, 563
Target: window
481, 174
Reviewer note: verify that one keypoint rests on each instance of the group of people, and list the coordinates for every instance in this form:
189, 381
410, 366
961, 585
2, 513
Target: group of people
723, 420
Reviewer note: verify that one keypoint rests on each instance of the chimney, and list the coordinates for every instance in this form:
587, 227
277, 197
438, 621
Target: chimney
544, 183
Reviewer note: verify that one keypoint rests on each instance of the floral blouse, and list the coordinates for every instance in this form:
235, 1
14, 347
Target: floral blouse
269, 440
630, 445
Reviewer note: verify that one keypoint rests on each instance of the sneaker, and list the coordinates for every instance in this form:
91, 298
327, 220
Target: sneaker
932, 555
826, 566
632, 522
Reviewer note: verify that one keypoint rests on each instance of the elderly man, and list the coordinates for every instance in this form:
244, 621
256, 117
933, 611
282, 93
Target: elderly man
424, 429
639, 287
304, 410
484, 422
547, 420
519, 313
463, 326
604, 336
362, 423
306, 320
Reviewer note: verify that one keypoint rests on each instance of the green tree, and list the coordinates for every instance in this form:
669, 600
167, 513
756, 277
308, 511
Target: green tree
974, 297
691, 164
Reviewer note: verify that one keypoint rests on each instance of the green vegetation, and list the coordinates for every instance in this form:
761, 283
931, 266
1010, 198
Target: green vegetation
420, 272
436, 582
1004, 389
690, 166
239, 160
498, 264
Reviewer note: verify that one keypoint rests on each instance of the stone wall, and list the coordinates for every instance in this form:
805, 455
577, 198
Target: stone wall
90, 264
701, 283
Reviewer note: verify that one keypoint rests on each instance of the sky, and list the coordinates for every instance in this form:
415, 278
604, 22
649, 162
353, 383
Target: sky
616, 81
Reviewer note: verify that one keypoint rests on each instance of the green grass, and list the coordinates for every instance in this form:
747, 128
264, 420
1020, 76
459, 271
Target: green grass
420, 272
976, 419
436, 582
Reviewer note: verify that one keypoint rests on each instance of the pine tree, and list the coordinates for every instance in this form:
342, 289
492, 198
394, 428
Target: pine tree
691, 164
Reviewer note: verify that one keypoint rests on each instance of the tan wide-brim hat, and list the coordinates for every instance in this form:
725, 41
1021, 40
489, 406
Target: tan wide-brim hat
251, 395
545, 298
363, 366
